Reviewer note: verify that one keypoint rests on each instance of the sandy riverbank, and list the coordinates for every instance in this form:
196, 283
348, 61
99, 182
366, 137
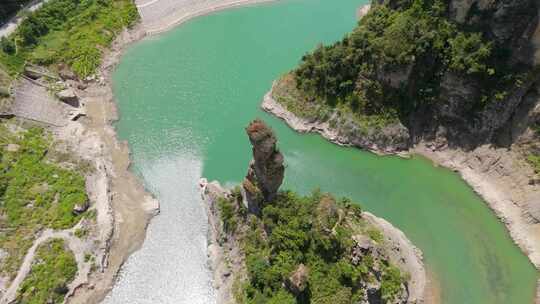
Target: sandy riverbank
162, 15
132, 207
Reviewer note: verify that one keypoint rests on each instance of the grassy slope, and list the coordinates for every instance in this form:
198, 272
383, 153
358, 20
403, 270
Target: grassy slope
53, 269
35, 193
73, 32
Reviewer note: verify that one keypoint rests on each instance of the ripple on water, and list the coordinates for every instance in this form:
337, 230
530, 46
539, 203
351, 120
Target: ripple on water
157, 272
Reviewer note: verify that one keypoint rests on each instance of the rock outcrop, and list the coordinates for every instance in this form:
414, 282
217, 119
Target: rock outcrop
69, 97
266, 170
232, 224
298, 280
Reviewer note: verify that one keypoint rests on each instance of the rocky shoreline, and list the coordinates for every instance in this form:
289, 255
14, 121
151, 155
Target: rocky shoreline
503, 181
299, 124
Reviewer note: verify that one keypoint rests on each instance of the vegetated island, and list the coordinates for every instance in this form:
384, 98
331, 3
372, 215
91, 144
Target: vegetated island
455, 81
271, 246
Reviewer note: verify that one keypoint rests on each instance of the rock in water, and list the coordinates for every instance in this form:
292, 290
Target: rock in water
266, 170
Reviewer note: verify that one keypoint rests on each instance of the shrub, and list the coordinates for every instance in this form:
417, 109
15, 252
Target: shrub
7, 45
53, 269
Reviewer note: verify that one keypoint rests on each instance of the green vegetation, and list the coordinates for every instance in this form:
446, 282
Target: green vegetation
287, 94
310, 231
73, 32
53, 269
534, 160
35, 193
394, 60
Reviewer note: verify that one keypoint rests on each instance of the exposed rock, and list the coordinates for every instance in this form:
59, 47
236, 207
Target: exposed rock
12, 147
363, 10
225, 256
396, 77
68, 96
362, 245
36, 72
67, 74
298, 280
81, 207
5, 92
81, 86
266, 170
401, 252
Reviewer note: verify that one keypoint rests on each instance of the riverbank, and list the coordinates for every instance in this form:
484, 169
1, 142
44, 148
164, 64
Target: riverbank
131, 206
122, 208
497, 175
160, 16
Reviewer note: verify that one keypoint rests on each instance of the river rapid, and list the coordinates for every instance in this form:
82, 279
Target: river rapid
184, 98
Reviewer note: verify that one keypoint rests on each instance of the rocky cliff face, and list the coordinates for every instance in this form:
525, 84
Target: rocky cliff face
266, 170
512, 29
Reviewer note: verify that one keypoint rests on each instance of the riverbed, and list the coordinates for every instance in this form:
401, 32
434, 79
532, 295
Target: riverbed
184, 98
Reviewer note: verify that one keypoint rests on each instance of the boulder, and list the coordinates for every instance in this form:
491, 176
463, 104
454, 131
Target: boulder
5, 92
81, 207
298, 280
67, 74
12, 147
69, 97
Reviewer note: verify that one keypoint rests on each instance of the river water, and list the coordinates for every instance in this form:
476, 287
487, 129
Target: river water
184, 98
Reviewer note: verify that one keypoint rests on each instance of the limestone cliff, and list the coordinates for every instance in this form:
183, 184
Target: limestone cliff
266, 170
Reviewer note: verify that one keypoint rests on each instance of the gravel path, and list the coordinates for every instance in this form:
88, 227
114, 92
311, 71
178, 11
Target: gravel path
75, 244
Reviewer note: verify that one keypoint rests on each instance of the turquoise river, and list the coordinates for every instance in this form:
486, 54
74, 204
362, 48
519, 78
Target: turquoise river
184, 99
